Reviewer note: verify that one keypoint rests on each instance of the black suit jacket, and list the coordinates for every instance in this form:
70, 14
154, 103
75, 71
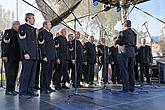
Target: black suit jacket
28, 41
136, 55
47, 45
10, 46
126, 43
78, 48
62, 48
113, 54
103, 54
90, 52
144, 54
70, 50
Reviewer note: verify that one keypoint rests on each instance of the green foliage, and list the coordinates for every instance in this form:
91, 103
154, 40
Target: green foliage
6, 18
109, 18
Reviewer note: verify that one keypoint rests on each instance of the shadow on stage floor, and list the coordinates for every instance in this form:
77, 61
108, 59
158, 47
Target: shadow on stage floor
147, 98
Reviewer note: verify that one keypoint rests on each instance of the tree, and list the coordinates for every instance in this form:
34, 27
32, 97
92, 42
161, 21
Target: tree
109, 19
6, 17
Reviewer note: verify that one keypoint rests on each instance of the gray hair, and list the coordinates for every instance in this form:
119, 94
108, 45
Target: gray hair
15, 22
62, 29
28, 15
46, 22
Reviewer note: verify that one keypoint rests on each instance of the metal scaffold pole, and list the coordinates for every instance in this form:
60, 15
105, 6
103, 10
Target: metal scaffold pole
17, 9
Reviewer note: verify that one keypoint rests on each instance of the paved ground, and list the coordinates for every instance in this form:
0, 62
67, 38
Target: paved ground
149, 98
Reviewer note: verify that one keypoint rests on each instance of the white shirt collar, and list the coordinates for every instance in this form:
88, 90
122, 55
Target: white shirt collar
46, 29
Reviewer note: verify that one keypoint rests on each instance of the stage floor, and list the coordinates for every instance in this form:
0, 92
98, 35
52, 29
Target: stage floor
147, 99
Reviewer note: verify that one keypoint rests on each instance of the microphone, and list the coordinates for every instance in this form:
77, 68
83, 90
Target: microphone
145, 23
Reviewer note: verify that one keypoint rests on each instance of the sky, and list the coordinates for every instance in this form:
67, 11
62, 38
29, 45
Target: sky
154, 7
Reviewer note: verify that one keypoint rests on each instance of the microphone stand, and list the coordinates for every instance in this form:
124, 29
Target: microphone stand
63, 22
103, 27
105, 56
1, 86
75, 18
91, 14
74, 30
2, 63
152, 83
75, 65
147, 31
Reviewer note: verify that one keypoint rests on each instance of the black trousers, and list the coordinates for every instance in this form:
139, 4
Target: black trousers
70, 66
37, 78
46, 75
11, 70
136, 72
126, 65
61, 71
84, 73
27, 78
115, 73
105, 73
54, 74
144, 70
78, 73
90, 70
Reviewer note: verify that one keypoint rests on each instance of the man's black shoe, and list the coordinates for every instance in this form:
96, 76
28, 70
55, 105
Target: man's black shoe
15, 92
23, 95
36, 87
33, 94
11, 93
80, 86
73, 86
45, 92
131, 90
65, 87
58, 88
